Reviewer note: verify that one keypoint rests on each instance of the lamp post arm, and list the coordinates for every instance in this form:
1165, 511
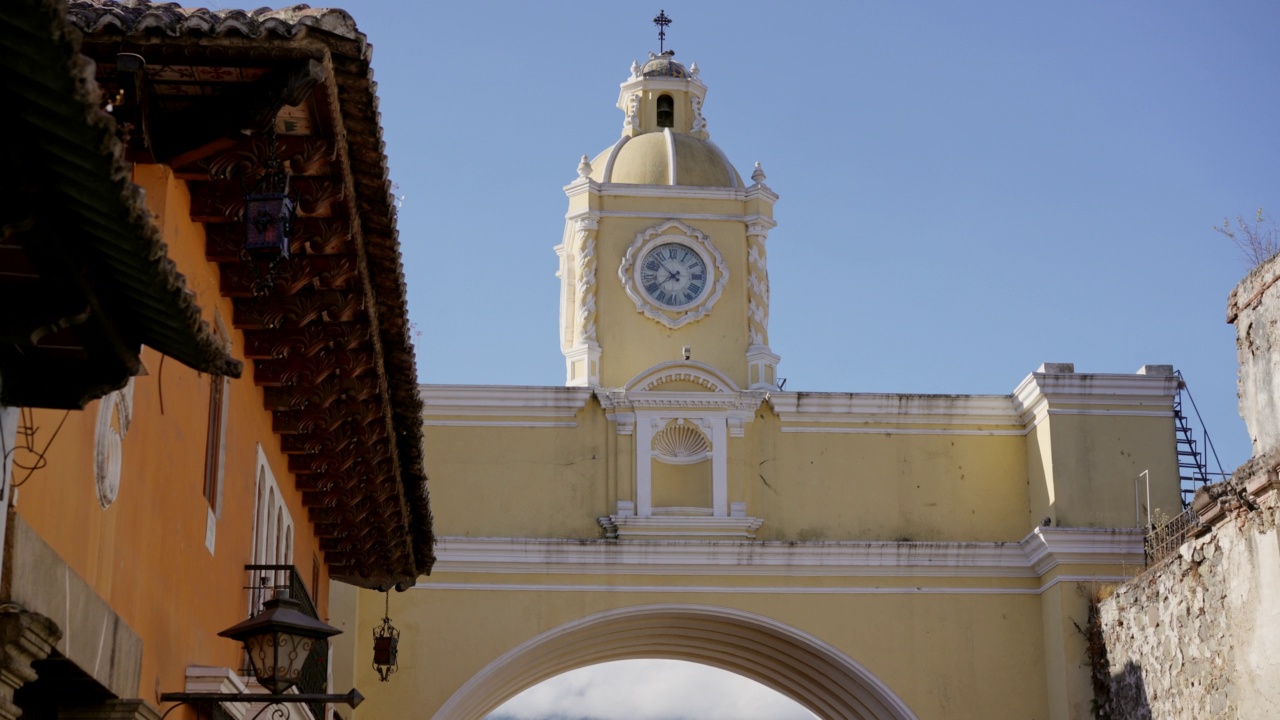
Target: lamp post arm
352, 698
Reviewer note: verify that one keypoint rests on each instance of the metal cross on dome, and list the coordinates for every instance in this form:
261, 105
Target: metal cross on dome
662, 21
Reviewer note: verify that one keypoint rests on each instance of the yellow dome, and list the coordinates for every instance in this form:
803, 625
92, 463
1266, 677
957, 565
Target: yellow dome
648, 159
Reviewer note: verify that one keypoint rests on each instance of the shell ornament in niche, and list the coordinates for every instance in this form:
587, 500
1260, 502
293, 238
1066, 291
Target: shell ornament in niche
680, 444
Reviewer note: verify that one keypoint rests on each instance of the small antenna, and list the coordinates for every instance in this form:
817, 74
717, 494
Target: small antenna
662, 21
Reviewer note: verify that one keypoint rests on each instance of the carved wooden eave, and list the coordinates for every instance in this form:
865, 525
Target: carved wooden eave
328, 335
85, 277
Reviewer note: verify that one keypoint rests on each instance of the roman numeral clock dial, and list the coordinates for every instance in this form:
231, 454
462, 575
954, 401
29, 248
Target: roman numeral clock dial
673, 273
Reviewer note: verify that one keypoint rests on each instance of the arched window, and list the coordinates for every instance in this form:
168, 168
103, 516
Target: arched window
273, 525
666, 111
279, 543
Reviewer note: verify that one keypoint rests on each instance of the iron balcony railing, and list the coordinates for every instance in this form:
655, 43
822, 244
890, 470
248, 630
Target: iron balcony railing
264, 582
1164, 540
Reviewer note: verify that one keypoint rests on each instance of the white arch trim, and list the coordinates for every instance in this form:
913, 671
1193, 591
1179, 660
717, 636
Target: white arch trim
792, 662
685, 370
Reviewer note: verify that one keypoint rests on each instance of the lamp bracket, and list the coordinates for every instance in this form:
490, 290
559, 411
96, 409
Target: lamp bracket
352, 698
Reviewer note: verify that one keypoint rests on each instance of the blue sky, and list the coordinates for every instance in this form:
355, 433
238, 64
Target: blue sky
969, 189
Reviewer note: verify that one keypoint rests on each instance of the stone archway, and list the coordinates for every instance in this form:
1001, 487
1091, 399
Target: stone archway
794, 663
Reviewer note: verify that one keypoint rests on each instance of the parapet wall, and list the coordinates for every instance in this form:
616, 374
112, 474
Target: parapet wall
1198, 635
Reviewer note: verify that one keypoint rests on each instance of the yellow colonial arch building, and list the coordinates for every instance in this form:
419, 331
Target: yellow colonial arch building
869, 555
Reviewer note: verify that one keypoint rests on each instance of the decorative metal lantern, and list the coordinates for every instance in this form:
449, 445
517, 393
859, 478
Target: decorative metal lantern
386, 643
269, 211
278, 641
268, 220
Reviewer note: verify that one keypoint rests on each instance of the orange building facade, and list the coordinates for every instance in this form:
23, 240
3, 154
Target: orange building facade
173, 459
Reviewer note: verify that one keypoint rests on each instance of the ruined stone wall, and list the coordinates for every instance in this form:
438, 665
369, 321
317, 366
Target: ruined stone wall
1254, 308
1198, 635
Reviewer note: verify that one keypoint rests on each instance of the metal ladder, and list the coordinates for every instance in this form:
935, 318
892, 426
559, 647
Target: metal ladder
1193, 471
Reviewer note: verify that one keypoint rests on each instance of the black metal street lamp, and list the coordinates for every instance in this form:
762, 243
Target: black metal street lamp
278, 641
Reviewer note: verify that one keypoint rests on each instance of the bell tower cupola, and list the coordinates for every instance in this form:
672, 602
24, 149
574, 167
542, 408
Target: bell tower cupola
663, 256
663, 95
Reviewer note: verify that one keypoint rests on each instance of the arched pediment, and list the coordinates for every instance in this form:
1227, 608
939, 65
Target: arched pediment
793, 662
682, 376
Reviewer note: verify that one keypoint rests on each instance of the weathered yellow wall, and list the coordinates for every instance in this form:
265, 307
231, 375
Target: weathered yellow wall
553, 482
517, 482
947, 655
1096, 460
145, 554
834, 486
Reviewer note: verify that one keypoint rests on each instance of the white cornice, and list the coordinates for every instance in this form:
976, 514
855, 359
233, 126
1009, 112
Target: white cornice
502, 423
768, 223
661, 214
1039, 552
762, 192
1038, 396
632, 85
769, 590
629, 526
580, 186
695, 192
1140, 395
1048, 547
502, 400
746, 400
874, 407
898, 430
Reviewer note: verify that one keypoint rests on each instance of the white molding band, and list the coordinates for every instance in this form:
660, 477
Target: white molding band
657, 526
501, 423
1040, 395
766, 590
692, 192
1041, 551
749, 220
901, 431
507, 401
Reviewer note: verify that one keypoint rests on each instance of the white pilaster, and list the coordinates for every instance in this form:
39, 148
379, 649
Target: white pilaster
719, 467
644, 466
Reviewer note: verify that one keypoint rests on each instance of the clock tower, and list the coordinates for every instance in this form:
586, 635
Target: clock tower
663, 258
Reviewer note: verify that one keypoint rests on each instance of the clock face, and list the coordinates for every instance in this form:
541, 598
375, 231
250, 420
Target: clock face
673, 275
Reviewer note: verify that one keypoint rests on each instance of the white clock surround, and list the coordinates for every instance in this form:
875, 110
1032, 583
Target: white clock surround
673, 232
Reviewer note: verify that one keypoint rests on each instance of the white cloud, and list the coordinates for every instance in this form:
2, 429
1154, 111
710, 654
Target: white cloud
650, 690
